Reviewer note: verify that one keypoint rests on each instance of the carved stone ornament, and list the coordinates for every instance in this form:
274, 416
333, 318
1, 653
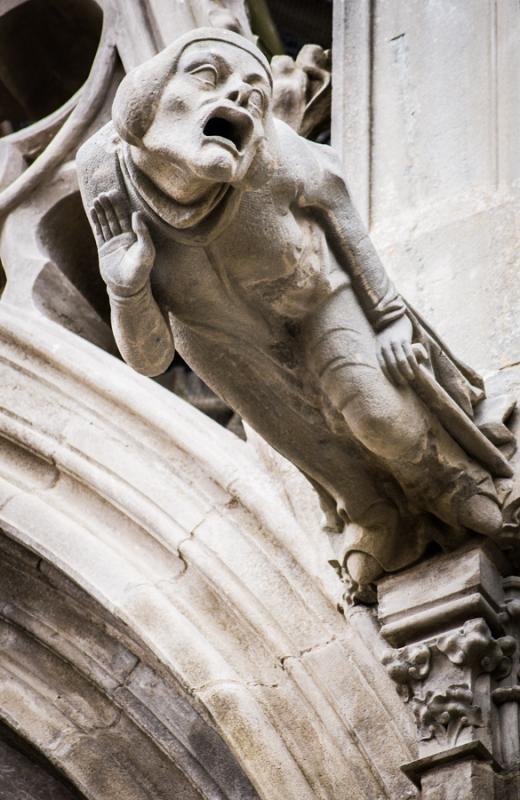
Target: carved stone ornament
302, 89
224, 234
442, 713
353, 592
443, 716
408, 666
473, 645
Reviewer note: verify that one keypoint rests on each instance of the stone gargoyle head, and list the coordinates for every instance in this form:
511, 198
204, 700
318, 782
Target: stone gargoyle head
199, 113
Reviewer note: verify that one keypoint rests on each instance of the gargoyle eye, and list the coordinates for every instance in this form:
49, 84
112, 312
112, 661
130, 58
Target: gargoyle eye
206, 74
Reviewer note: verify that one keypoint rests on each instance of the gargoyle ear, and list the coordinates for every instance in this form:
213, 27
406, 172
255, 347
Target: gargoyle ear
137, 98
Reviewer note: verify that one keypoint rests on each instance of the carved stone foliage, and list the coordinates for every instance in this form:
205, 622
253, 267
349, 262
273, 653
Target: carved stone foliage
408, 666
473, 645
443, 715
509, 690
442, 712
353, 592
453, 622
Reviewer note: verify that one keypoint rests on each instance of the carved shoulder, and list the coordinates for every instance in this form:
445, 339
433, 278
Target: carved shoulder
317, 168
332, 186
97, 164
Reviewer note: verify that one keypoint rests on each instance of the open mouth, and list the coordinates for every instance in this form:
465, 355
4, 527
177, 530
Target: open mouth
230, 126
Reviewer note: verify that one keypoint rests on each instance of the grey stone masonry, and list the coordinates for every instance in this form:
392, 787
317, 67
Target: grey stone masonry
452, 623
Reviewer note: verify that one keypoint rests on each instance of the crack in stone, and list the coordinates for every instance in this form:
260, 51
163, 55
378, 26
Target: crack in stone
250, 684
181, 555
182, 558
124, 683
509, 366
188, 538
311, 649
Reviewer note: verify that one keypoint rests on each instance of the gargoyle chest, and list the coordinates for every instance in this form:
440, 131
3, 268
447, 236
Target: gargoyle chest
280, 254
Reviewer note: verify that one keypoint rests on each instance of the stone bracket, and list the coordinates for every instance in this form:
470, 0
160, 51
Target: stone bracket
454, 626
471, 750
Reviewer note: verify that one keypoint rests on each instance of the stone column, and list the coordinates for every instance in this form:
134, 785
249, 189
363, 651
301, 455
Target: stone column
453, 623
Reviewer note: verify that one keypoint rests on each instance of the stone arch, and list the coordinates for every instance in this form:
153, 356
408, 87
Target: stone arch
73, 685
24, 773
170, 531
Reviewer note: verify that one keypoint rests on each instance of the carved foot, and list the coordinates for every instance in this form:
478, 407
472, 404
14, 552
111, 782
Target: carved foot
363, 568
481, 514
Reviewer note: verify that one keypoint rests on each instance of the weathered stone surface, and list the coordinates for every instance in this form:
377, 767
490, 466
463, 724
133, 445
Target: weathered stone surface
168, 620
384, 440
21, 778
425, 113
190, 560
456, 588
469, 781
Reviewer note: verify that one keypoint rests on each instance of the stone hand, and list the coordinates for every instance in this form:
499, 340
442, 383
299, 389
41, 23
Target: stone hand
397, 357
125, 247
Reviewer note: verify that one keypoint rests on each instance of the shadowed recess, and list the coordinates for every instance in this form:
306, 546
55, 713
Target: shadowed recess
46, 50
302, 22
67, 237
25, 774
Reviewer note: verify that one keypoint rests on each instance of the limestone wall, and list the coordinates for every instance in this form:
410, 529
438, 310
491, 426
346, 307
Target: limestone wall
426, 116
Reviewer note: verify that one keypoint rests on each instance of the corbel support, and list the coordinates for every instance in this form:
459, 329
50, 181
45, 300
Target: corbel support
453, 624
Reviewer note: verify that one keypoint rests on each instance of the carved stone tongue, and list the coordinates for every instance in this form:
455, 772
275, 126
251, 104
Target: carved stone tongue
225, 129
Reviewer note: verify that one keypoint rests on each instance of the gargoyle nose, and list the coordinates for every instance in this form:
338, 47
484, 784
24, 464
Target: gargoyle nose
240, 93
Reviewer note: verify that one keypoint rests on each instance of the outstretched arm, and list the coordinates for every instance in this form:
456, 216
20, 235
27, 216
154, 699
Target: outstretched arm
126, 257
